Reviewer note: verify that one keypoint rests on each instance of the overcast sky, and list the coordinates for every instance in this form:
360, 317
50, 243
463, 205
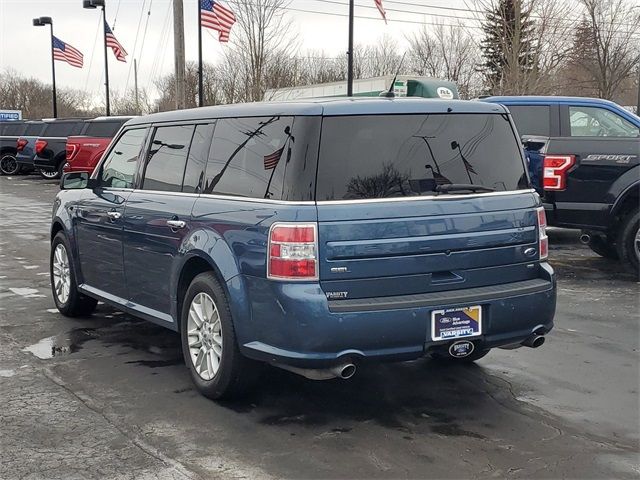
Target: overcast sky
24, 48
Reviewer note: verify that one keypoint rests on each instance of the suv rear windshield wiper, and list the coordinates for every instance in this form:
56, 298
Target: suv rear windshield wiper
457, 187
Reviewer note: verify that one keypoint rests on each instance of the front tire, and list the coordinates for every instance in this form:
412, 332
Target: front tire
209, 343
9, 165
629, 241
69, 301
51, 174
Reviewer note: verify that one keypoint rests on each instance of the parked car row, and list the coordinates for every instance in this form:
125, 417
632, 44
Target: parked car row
50, 146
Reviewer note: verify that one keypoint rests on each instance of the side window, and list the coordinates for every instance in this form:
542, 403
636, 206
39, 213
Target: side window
248, 157
197, 160
119, 167
599, 122
167, 158
531, 119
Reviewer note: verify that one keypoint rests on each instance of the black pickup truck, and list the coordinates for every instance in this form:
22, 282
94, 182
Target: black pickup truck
10, 132
51, 146
584, 160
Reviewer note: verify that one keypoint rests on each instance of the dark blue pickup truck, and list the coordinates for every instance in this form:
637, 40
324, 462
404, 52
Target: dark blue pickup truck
584, 160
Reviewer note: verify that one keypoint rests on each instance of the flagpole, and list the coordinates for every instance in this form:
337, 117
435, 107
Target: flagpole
200, 82
350, 52
106, 57
53, 76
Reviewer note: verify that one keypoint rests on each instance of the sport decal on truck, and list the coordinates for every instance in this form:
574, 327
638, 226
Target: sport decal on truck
624, 159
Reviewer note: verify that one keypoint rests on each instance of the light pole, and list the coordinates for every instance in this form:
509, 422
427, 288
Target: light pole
94, 4
41, 22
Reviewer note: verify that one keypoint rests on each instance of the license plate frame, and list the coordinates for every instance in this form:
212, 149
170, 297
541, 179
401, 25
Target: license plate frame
456, 323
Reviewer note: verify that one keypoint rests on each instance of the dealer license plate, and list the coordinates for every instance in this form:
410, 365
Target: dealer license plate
455, 323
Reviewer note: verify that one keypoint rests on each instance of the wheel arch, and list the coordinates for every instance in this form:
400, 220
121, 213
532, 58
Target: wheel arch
627, 200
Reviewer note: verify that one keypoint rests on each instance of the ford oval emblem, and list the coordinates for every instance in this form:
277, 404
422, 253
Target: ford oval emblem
461, 349
530, 252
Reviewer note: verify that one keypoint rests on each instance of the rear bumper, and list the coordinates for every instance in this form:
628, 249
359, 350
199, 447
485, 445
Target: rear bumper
44, 164
294, 324
68, 167
24, 160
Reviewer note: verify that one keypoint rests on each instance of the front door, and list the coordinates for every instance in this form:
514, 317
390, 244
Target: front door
156, 222
99, 222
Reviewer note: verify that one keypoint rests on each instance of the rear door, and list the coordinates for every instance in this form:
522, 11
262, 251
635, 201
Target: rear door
385, 230
157, 217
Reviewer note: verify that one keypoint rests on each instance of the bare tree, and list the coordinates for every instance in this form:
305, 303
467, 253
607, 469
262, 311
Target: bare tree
449, 53
607, 46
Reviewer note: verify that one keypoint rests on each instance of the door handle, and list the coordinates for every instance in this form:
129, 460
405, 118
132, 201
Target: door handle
113, 215
176, 224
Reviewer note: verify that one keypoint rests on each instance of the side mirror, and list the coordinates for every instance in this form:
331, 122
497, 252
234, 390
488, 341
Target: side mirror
76, 181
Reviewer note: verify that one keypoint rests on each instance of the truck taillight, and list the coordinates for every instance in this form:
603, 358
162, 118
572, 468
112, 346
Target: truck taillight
71, 150
543, 239
555, 170
40, 146
21, 143
292, 252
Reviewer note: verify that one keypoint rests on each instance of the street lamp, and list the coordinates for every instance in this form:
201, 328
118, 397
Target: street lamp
91, 4
41, 22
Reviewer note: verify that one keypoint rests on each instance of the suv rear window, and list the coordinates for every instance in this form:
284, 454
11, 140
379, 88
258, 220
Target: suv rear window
62, 129
103, 129
380, 156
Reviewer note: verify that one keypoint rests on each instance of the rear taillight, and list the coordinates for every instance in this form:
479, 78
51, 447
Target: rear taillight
21, 143
71, 150
293, 250
543, 239
40, 146
555, 170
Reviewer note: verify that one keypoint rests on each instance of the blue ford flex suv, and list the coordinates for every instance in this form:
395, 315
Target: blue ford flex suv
314, 236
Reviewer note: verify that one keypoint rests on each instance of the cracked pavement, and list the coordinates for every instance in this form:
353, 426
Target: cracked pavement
111, 397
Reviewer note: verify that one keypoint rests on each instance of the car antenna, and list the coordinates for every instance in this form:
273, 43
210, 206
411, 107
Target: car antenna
390, 93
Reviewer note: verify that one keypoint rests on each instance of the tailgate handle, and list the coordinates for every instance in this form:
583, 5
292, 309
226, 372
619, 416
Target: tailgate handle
446, 277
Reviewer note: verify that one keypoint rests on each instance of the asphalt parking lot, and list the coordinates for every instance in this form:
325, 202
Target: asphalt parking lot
110, 396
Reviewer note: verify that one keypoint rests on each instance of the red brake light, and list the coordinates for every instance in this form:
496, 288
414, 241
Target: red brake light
292, 252
20, 144
543, 239
555, 169
71, 150
40, 146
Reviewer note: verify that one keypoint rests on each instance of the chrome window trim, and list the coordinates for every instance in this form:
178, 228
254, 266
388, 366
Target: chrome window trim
426, 197
328, 202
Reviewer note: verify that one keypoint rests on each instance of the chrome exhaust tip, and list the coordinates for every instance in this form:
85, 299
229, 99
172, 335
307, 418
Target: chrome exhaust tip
534, 341
585, 238
346, 371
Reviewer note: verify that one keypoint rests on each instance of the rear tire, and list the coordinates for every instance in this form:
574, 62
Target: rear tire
64, 287
629, 241
603, 246
209, 343
9, 165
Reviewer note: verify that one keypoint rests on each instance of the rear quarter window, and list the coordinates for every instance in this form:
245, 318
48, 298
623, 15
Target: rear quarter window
381, 156
102, 129
531, 119
12, 129
62, 129
264, 157
33, 129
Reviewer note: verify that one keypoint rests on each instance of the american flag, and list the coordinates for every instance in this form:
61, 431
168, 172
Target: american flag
112, 42
213, 15
381, 10
271, 160
66, 53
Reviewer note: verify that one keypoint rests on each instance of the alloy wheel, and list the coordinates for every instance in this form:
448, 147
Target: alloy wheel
204, 332
9, 165
49, 174
636, 244
61, 274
